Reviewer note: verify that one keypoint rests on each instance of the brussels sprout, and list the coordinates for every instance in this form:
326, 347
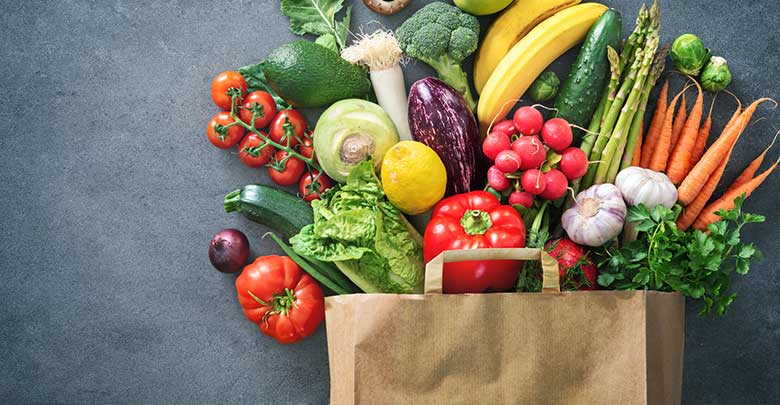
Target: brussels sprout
545, 87
689, 54
716, 75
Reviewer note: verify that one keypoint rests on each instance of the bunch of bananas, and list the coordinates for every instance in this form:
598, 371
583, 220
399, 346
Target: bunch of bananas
526, 38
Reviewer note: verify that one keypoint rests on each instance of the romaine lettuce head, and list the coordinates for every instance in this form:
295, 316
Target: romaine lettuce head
364, 235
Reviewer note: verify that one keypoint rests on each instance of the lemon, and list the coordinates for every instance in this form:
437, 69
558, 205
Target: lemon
413, 177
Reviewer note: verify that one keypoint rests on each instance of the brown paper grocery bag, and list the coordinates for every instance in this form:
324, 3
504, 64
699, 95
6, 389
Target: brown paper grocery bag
587, 347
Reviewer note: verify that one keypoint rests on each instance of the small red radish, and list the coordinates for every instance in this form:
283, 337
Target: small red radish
528, 120
533, 181
496, 179
523, 198
531, 151
556, 133
495, 142
556, 184
574, 163
508, 161
505, 126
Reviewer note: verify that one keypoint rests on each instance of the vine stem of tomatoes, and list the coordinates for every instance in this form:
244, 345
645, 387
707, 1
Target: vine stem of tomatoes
311, 162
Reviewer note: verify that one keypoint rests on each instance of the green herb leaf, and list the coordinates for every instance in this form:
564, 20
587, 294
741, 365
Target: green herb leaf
696, 263
255, 80
753, 218
317, 17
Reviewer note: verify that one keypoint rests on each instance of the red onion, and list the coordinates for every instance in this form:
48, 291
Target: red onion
229, 250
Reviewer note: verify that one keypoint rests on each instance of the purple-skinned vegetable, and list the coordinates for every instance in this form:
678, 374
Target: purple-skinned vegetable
229, 250
440, 118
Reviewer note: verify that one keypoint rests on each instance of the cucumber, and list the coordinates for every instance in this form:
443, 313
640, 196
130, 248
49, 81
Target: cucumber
582, 90
276, 209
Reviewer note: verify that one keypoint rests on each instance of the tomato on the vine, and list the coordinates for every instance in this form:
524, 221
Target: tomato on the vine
310, 189
222, 84
251, 154
288, 124
260, 102
306, 147
286, 173
220, 134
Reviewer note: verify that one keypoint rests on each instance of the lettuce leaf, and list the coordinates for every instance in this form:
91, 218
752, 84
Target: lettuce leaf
364, 235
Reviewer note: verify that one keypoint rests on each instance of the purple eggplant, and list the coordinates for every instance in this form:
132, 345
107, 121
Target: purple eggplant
440, 118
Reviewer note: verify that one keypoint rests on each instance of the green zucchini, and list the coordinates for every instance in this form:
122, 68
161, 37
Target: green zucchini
276, 209
582, 90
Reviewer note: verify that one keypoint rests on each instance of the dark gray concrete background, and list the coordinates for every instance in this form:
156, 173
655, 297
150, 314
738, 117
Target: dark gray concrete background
110, 193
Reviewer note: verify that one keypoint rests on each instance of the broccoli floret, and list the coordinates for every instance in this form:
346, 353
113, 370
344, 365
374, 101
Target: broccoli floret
442, 36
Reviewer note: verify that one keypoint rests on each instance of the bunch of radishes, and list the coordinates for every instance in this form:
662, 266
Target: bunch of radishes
529, 165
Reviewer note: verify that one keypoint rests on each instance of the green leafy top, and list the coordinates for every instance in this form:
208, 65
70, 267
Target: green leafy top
697, 264
318, 17
368, 238
256, 80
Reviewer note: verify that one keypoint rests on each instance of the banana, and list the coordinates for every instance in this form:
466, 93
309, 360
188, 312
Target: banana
530, 56
511, 26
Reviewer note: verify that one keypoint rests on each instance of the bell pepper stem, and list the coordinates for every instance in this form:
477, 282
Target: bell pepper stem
475, 222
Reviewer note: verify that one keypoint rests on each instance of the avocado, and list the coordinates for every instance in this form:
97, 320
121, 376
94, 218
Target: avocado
306, 74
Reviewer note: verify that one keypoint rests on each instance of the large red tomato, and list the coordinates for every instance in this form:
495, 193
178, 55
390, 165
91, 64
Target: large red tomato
285, 302
577, 270
472, 221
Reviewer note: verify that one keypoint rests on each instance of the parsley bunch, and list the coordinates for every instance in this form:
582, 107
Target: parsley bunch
695, 263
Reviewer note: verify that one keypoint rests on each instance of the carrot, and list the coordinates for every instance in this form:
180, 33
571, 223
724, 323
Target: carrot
661, 150
752, 168
693, 209
679, 121
680, 160
703, 135
637, 158
726, 202
655, 126
695, 180
701, 140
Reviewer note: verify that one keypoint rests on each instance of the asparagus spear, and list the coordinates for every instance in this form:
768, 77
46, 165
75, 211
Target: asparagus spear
617, 141
634, 40
606, 100
636, 126
595, 123
609, 121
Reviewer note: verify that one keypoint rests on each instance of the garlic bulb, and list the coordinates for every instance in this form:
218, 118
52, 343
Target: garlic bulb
596, 217
645, 186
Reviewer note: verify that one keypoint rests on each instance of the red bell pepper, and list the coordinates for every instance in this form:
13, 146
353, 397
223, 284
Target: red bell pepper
285, 302
471, 221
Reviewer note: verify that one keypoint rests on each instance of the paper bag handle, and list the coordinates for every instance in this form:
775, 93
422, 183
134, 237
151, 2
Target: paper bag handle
435, 268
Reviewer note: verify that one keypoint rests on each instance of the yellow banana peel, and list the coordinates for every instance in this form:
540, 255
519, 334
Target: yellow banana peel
530, 56
512, 25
